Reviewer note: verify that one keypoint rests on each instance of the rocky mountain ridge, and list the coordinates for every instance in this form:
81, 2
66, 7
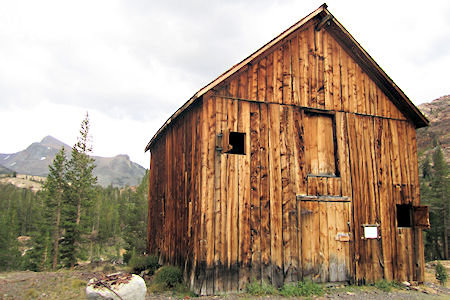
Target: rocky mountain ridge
438, 133
34, 160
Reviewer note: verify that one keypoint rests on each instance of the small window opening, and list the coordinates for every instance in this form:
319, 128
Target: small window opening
236, 142
404, 215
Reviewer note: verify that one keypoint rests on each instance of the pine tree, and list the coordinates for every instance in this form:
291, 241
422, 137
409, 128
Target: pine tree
135, 229
79, 195
440, 190
81, 168
55, 189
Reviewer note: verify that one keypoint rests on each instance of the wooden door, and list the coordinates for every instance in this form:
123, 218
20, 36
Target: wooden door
325, 238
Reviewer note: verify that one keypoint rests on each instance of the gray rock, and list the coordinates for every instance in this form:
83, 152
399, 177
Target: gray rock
117, 286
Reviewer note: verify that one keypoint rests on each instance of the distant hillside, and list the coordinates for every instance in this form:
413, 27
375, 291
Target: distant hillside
438, 112
5, 170
35, 159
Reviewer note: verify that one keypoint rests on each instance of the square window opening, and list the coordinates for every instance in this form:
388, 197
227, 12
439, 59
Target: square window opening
236, 141
404, 215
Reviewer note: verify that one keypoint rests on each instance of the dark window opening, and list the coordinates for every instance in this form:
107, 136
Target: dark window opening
404, 215
236, 142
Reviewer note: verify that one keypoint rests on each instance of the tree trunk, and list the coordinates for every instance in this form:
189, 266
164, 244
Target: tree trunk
56, 234
445, 232
78, 211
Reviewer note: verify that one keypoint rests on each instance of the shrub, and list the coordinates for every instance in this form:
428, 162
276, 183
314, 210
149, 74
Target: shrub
440, 273
383, 285
302, 288
260, 289
167, 276
137, 264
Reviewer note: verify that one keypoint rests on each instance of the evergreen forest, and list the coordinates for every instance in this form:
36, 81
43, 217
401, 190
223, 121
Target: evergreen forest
72, 219
434, 192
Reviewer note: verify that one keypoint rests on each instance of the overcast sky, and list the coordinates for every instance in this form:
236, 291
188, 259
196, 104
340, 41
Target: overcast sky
131, 64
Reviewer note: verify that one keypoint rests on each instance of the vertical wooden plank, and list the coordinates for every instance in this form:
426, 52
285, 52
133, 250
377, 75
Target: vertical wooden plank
312, 68
295, 69
253, 81
352, 85
319, 45
242, 90
287, 73
345, 81
278, 75
332, 218
292, 203
300, 182
372, 98
328, 71
324, 233
304, 69
270, 78
313, 186
353, 147
262, 80
368, 104
210, 201
316, 259
390, 205
202, 255
347, 245
266, 265
396, 167
307, 236
301, 240
343, 154
255, 184
285, 187
383, 199
337, 78
222, 123
232, 207
299, 154
219, 209
244, 196
275, 195
360, 100
341, 253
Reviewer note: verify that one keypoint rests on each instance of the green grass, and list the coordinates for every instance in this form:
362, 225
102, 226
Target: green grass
302, 288
261, 289
297, 289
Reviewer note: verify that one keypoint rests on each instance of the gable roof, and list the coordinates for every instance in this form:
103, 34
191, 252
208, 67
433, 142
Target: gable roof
338, 31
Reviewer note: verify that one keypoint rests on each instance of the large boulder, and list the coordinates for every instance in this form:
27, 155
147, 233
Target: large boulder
116, 286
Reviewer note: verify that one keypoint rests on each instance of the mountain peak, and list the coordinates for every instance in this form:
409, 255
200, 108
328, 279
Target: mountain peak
52, 142
35, 159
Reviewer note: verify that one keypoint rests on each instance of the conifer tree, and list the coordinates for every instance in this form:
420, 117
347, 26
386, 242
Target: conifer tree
80, 170
79, 195
55, 189
440, 191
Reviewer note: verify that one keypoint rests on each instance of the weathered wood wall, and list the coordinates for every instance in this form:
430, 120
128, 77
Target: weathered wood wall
285, 211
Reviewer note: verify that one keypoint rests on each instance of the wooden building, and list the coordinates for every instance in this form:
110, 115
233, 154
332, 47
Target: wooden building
298, 163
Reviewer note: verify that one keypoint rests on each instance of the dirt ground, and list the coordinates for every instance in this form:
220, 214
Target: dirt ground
66, 284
